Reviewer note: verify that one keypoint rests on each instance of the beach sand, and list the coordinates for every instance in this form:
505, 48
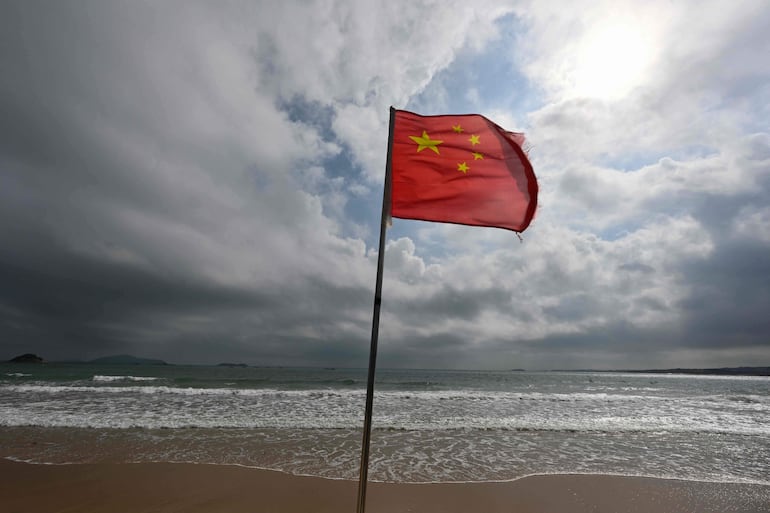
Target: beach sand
170, 487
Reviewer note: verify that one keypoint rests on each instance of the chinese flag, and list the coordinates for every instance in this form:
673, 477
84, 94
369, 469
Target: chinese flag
461, 169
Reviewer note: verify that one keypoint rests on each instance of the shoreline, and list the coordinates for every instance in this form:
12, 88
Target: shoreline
287, 473
404, 457
188, 487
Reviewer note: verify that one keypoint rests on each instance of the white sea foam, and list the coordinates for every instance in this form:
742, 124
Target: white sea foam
427, 426
174, 407
143, 403
100, 378
430, 399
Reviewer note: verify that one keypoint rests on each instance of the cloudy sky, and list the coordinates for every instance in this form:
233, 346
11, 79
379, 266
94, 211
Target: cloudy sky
202, 182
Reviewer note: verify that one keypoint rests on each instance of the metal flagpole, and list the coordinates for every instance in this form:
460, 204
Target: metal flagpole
364, 471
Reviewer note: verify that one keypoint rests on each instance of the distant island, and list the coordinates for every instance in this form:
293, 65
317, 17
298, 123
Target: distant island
126, 359
226, 364
27, 358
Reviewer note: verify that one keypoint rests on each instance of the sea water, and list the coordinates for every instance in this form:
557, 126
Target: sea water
428, 425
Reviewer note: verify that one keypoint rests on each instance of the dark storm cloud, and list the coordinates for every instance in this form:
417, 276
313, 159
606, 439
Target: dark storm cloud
730, 298
72, 305
440, 350
178, 183
118, 191
730, 288
618, 345
449, 302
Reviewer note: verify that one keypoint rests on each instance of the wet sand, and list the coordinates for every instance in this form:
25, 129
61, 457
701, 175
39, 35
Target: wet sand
170, 487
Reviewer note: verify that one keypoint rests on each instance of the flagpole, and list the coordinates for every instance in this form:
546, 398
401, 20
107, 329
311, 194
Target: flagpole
364, 471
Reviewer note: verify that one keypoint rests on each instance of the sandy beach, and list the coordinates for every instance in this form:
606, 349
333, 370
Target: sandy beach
170, 487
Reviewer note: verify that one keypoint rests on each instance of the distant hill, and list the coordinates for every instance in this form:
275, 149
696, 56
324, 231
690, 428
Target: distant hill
27, 358
126, 359
226, 364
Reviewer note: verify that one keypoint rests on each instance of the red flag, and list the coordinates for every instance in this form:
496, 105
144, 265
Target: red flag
461, 169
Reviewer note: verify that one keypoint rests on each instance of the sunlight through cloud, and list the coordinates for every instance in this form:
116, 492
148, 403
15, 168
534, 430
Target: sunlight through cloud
611, 62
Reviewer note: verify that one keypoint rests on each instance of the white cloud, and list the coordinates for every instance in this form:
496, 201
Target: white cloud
558, 282
162, 142
753, 223
362, 57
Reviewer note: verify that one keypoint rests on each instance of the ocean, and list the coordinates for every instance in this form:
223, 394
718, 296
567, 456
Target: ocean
428, 426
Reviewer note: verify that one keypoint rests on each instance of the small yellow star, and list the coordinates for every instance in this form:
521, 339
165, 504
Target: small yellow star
462, 166
457, 128
477, 156
474, 140
426, 142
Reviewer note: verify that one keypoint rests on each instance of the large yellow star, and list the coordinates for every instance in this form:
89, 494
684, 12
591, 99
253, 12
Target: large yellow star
462, 166
426, 142
474, 140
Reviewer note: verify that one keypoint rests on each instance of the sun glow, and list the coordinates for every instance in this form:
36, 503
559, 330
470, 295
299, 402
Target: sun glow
611, 61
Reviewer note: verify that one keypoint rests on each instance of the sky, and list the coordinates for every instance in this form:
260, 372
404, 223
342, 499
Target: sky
202, 182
